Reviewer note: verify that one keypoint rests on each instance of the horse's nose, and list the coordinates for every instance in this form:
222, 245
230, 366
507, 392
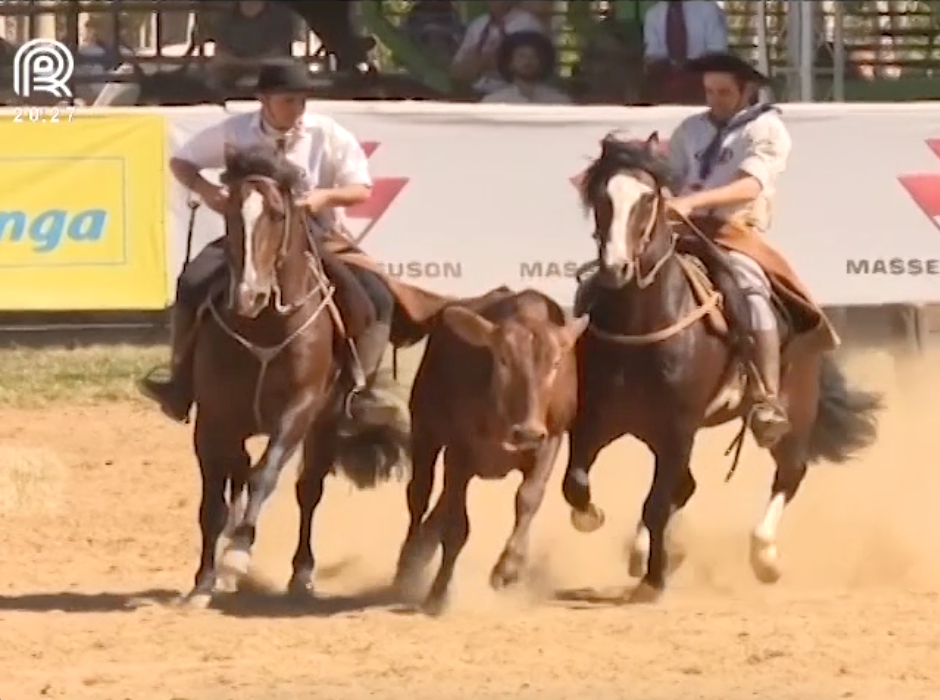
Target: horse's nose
615, 275
252, 302
528, 434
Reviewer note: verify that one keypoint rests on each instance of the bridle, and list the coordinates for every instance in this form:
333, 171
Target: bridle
266, 354
313, 263
634, 272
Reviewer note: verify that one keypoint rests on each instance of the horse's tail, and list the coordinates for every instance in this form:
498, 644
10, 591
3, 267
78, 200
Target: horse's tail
372, 454
846, 420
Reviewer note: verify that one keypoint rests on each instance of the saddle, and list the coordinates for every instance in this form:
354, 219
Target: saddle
798, 316
416, 309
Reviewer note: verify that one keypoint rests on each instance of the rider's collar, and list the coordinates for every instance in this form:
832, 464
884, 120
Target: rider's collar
289, 136
745, 116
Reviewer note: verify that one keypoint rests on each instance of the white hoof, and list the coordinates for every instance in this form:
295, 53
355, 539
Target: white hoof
198, 601
764, 561
235, 564
589, 521
227, 583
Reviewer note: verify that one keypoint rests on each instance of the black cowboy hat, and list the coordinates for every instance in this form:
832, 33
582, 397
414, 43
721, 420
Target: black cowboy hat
724, 62
538, 41
284, 75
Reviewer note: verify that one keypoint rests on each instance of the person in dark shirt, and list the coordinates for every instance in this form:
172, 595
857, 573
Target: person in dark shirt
253, 30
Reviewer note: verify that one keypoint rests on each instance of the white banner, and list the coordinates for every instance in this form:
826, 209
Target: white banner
470, 197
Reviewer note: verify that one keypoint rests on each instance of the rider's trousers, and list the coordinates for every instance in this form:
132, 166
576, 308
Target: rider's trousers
755, 284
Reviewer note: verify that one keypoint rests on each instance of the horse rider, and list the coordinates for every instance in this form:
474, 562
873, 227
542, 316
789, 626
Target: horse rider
337, 176
728, 160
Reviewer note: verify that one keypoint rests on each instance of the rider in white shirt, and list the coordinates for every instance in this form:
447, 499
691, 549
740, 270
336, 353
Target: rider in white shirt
336, 176
728, 160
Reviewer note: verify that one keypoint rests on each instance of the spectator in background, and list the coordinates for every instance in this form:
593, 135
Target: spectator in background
610, 68
675, 32
475, 61
543, 10
435, 25
102, 50
526, 61
245, 35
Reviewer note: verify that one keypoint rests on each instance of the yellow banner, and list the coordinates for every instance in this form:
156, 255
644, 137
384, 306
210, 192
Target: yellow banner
82, 214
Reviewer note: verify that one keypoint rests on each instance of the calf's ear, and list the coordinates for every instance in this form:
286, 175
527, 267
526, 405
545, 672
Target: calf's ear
469, 326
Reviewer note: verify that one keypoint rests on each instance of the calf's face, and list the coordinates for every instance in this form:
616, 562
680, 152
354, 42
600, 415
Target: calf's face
526, 359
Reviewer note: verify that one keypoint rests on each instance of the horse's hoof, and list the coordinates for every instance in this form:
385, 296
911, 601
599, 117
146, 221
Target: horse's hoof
300, 588
589, 520
227, 584
195, 601
434, 606
234, 565
764, 562
644, 594
504, 577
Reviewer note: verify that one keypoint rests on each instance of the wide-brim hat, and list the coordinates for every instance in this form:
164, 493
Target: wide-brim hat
284, 76
538, 41
730, 63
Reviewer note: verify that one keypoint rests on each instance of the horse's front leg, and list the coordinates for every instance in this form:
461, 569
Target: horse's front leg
219, 458
319, 456
672, 462
529, 498
287, 437
584, 444
640, 548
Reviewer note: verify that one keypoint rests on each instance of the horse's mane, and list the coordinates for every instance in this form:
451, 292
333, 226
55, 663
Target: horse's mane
264, 160
618, 154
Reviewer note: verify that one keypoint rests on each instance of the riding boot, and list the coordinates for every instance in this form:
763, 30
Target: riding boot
365, 405
769, 421
174, 395
585, 295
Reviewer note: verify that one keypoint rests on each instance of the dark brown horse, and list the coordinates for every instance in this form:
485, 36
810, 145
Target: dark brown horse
657, 364
496, 390
267, 362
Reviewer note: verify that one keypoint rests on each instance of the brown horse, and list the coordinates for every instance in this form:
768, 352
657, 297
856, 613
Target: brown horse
657, 364
496, 390
268, 363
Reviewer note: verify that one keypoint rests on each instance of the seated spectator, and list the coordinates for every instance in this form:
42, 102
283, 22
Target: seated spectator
543, 10
609, 70
253, 30
102, 50
435, 25
475, 61
674, 32
526, 60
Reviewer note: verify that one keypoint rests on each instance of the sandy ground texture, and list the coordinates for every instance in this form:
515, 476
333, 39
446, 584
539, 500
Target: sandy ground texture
99, 534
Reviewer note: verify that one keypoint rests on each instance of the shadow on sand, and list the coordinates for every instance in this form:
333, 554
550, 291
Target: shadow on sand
243, 604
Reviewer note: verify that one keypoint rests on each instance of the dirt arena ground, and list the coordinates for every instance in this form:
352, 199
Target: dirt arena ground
98, 496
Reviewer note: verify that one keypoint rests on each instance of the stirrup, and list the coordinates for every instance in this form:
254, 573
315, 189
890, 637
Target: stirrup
769, 434
167, 369
146, 390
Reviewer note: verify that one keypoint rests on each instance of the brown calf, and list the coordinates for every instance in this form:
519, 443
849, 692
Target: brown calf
496, 390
